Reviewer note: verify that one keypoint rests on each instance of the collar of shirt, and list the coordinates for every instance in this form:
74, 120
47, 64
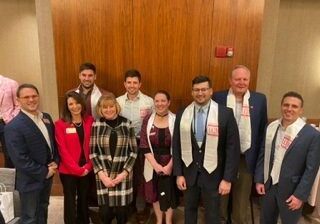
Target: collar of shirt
32, 116
88, 93
135, 99
205, 107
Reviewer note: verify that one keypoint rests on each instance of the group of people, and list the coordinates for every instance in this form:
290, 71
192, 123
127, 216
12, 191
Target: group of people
213, 151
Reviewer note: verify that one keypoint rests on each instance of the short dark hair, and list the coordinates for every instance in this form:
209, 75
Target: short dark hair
87, 65
293, 94
66, 114
164, 92
26, 86
132, 73
201, 78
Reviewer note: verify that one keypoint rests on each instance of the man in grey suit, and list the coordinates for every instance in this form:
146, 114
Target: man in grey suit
287, 164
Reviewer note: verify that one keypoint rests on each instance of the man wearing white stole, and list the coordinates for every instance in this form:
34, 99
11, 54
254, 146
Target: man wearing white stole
250, 111
287, 164
206, 151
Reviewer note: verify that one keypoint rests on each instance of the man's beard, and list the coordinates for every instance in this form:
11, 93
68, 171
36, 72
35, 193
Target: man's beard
87, 88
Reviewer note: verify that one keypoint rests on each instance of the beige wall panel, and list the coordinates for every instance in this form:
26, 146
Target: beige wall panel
296, 56
19, 44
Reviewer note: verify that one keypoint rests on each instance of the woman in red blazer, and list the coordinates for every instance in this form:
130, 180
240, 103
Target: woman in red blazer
73, 136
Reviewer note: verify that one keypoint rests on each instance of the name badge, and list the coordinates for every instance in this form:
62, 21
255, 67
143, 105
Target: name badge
71, 130
286, 142
144, 112
152, 133
213, 129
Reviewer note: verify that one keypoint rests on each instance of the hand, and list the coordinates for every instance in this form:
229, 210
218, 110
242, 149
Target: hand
85, 172
52, 169
224, 187
107, 181
260, 189
51, 172
158, 168
167, 170
294, 203
181, 183
120, 177
53, 165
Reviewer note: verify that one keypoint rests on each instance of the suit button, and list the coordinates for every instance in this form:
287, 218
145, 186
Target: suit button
200, 151
197, 163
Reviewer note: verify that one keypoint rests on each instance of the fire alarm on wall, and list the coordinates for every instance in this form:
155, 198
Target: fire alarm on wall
230, 51
224, 52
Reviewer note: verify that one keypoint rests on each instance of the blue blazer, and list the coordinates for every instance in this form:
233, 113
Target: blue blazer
228, 152
299, 166
259, 121
29, 151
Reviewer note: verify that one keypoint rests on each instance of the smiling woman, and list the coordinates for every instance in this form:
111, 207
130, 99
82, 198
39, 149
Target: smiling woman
72, 136
113, 154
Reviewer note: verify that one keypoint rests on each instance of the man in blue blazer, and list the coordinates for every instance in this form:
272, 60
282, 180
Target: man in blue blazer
205, 152
32, 149
287, 164
250, 110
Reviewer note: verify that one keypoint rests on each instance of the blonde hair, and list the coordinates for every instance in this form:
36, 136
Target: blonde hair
107, 99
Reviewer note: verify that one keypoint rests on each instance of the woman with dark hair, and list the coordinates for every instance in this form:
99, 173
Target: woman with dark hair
73, 137
155, 143
113, 154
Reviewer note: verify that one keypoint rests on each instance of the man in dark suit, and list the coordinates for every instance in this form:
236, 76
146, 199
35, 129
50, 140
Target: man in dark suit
250, 111
287, 164
31, 147
205, 152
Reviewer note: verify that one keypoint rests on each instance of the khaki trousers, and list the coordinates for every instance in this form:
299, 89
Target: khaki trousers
240, 197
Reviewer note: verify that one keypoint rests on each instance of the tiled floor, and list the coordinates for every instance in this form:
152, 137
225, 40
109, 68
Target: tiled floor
56, 214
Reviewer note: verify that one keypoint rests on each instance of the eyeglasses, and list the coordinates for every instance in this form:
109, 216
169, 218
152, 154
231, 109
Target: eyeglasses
29, 97
200, 90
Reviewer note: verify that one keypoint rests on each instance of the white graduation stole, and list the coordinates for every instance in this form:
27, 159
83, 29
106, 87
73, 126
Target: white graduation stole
244, 125
290, 134
148, 169
212, 136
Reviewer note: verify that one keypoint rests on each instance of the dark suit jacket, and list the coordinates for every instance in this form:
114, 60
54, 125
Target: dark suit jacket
259, 121
299, 167
29, 151
228, 152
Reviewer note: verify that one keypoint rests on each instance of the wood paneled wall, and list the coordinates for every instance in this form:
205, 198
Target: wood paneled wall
169, 42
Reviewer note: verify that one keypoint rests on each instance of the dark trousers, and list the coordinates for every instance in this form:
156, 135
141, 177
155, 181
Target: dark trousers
7, 161
139, 201
273, 204
211, 202
34, 204
75, 190
1, 218
108, 213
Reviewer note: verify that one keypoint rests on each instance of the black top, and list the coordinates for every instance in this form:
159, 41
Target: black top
113, 135
80, 132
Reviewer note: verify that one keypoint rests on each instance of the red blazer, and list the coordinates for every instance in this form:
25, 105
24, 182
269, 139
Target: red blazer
69, 146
